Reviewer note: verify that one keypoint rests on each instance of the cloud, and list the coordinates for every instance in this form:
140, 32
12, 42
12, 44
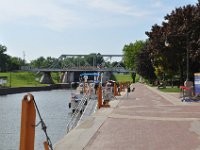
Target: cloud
46, 13
61, 14
117, 7
157, 4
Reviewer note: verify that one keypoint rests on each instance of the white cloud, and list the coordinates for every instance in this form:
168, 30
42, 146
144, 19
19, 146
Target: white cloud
117, 7
61, 14
157, 3
47, 13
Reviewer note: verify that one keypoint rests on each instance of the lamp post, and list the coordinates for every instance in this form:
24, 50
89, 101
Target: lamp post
187, 51
187, 59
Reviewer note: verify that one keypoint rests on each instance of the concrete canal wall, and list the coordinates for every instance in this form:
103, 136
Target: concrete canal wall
14, 90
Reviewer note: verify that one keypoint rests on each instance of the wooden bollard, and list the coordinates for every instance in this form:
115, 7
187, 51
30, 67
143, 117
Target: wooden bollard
115, 90
28, 115
46, 146
99, 96
121, 87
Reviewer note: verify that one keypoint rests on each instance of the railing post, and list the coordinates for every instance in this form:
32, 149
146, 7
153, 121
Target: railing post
99, 96
28, 115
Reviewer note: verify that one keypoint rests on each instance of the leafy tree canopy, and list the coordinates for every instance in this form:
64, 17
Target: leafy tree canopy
182, 31
130, 52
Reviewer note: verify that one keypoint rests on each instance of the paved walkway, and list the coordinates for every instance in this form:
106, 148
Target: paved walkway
145, 120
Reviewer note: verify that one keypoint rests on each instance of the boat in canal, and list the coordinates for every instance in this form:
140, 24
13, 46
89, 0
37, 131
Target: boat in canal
87, 86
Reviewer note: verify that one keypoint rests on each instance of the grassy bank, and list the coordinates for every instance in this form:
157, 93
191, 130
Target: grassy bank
24, 79
122, 77
119, 77
170, 89
20, 79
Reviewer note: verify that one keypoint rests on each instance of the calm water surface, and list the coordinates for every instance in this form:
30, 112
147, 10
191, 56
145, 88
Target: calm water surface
53, 106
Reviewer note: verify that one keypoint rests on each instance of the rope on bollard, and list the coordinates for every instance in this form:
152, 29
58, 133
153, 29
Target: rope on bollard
43, 125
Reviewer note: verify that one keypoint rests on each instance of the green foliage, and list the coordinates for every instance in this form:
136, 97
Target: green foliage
90, 60
39, 63
130, 52
16, 63
144, 66
56, 77
169, 89
4, 58
137, 78
122, 77
181, 29
8, 63
20, 79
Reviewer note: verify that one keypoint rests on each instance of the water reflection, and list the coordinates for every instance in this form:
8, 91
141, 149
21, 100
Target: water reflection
53, 106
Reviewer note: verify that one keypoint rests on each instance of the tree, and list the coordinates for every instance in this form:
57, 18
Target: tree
94, 59
144, 65
130, 52
39, 62
181, 29
99, 59
4, 58
90, 59
15, 63
118, 64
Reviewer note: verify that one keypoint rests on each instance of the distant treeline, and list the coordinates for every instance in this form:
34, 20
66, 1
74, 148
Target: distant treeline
9, 63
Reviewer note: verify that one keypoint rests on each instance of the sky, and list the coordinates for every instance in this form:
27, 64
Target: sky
49, 28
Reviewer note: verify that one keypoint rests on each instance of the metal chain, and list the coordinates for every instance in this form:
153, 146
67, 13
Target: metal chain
43, 125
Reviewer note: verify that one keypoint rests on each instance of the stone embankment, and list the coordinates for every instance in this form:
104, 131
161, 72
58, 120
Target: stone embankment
14, 90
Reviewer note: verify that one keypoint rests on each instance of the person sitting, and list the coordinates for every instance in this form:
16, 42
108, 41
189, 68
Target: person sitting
162, 84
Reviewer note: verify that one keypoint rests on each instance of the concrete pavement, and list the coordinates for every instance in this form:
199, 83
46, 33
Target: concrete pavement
145, 120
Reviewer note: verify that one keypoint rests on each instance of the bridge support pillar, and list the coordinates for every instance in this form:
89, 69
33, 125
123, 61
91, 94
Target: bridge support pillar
68, 77
46, 78
64, 77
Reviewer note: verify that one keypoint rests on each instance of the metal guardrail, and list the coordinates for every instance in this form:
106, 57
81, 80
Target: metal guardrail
77, 113
107, 94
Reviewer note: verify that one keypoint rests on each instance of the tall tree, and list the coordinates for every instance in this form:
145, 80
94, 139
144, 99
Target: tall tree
4, 59
181, 29
130, 52
144, 65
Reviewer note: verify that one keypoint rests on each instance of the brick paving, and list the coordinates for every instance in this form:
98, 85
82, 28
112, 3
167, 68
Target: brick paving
146, 120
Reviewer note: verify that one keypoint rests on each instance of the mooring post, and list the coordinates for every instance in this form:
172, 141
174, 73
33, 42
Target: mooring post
46, 146
28, 115
99, 96
115, 89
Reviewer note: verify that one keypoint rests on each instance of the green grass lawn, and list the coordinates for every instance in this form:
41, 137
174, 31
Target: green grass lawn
24, 79
20, 79
123, 77
170, 89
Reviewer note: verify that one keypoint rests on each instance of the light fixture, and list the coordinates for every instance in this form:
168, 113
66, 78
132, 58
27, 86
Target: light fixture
166, 42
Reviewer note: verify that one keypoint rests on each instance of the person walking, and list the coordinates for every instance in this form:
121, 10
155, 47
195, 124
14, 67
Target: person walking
128, 90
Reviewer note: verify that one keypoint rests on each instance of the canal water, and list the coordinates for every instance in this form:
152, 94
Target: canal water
53, 106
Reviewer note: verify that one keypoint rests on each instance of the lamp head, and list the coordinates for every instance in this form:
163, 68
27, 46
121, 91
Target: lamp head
166, 43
